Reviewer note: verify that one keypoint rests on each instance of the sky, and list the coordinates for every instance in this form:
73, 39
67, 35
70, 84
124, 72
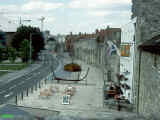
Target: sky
65, 16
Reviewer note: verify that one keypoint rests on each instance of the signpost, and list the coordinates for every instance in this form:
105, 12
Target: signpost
66, 100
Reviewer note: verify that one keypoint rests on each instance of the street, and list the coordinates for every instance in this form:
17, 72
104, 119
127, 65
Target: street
16, 86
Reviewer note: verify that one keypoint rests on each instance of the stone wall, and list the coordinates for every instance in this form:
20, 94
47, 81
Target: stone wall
149, 84
148, 11
136, 62
147, 26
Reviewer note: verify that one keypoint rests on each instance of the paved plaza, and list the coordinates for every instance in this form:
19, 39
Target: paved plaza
87, 97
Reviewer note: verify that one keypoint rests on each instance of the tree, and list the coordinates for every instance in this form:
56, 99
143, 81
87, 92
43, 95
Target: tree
27, 32
98, 39
37, 43
1, 51
25, 50
12, 54
2, 38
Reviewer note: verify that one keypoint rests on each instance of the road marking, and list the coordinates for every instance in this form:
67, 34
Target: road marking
28, 78
12, 87
21, 83
8, 95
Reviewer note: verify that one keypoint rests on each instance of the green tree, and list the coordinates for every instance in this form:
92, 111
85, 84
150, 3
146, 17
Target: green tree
98, 39
1, 51
27, 32
37, 43
12, 54
25, 50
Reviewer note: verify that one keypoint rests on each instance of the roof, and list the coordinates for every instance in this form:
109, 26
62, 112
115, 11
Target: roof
152, 45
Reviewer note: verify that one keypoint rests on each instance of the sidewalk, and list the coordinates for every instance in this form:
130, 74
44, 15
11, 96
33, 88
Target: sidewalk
87, 98
11, 76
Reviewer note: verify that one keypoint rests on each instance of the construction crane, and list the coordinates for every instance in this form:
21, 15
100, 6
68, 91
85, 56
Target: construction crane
42, 22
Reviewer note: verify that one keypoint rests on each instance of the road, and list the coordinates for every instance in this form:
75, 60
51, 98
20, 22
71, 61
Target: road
11, 89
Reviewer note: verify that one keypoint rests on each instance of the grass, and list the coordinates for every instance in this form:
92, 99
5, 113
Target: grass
3, 73
13, 67
11, 63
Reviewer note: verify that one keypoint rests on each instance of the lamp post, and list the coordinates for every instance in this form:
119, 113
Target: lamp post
25, 20
30, 48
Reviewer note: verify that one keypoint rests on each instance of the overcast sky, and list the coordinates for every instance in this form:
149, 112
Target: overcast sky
64, 16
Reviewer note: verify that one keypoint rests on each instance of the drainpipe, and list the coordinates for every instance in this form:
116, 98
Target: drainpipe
139, 77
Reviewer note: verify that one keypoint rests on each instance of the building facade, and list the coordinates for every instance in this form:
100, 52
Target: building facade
127, 57
96, 51
146, 75
149, 76
103, 34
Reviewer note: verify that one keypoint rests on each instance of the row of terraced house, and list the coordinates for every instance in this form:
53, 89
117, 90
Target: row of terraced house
138, 56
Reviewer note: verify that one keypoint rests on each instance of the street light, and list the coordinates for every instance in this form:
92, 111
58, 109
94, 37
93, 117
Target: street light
30, 48
25, 20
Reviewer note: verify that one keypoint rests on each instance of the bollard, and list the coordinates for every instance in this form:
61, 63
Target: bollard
22, 95
86, 81
39, 84
45, 81
31, 89
27, 92
119, 106
36, 87
16, 100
